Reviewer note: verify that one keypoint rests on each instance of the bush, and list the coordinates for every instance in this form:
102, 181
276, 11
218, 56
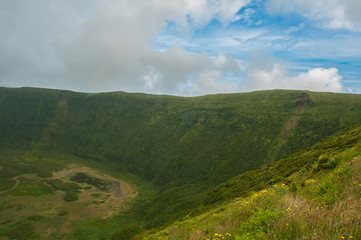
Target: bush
63, 213
71, 196
333, 162
328, 162
293, 187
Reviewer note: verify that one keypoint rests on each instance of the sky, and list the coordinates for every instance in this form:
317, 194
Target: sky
181, 47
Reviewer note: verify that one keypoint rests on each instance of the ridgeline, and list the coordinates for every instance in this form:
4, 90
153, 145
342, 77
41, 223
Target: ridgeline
182, 146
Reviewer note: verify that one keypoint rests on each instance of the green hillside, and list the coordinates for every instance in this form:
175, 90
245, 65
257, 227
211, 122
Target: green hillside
179, 147
162, 138
314, 194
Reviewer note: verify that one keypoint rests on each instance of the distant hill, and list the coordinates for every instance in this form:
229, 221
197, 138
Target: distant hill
184, 146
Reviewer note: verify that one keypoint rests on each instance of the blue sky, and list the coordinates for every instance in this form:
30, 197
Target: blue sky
188, 47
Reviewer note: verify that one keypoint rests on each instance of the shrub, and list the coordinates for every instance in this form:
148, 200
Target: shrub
63, 213
71, 196
293, 187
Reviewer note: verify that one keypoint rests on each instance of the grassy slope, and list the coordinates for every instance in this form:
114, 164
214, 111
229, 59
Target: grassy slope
182, 145
163, 138
314, 194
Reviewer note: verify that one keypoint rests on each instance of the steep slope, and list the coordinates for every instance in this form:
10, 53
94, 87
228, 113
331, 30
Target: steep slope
183, 145
314, 194
290, 125
161, 137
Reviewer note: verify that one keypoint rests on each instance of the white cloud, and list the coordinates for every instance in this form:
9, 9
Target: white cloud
265, 74
294, 29
28, 30
211, 82
114, 49
94, 45
106, 45
344, 14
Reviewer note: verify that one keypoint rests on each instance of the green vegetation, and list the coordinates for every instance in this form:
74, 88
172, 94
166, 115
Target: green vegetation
186, 155
126, 233
95, 182
16, 163
60, 185
6, 184
20, 231
163, 138
71, 196
35, 217
319, 198
319, 157
71, 189
30, 189
40, 203
63, 213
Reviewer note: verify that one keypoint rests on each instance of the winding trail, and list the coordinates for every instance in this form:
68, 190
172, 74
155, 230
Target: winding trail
13, 187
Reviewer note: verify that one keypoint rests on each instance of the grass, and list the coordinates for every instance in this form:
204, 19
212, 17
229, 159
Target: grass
321, 200
322, 156
6, 184
21, 231
278, 213
30, 189
53, 208
93, 181
60, 185
180, 148
71, 196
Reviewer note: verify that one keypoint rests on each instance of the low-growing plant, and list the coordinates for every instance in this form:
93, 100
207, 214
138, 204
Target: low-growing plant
63, 186
63, 213
31, 189
20, 231
71, 196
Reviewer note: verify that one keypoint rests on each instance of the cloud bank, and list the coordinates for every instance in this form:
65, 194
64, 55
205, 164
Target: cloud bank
265, 74
93, 45
107, 45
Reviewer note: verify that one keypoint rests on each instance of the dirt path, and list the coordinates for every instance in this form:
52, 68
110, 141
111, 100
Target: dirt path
16, 184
